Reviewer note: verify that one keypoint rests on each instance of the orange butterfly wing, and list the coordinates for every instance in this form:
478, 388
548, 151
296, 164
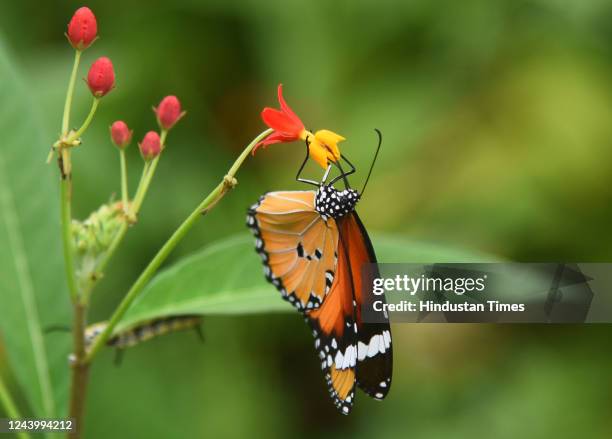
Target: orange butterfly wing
335, 332
374, 349
297, 246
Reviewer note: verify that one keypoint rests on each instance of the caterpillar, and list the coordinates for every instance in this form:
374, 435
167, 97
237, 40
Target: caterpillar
144, 331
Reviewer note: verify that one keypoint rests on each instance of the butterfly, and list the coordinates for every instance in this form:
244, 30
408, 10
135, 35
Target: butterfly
313, 246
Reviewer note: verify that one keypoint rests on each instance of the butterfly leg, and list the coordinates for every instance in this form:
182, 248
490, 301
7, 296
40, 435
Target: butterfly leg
304, 180
327, 171
343, 174
353, 169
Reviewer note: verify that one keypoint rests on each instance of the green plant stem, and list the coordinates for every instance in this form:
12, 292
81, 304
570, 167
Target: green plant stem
143, 177
144, 186
208, 203
148, 177
66, 220
66, 184
78, 133
70, 92
99, 269
131, 214
80, 370
10, 408
124, 183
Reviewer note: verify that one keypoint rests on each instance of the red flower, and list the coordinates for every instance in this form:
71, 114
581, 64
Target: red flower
287, 126
150, 147
121, 135
101, 77
168, 112
82, 29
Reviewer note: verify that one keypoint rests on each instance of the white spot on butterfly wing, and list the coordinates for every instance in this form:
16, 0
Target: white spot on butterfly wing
362, 350
373, 346
349, 357
377, 344
387, 337
339, 360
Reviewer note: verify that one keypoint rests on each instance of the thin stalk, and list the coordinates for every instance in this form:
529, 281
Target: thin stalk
143, 177
66, 220
124, 227
208, 203
124, 183
148, 176
10, 408
117, 239
70, 92
66, 184
92, 111
144, 186
80, 371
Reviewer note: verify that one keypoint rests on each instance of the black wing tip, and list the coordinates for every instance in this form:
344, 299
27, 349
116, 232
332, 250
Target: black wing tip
344, 406
379, 392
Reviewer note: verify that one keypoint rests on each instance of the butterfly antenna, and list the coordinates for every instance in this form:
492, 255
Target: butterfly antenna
374, 160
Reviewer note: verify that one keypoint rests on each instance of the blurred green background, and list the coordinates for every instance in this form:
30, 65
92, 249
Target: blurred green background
497, 124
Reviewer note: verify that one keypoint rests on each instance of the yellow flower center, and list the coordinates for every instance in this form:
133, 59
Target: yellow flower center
323, 146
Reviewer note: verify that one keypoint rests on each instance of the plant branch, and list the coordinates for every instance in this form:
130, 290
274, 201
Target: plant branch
70, 92
130, 217
80, 370
124, 183
210, 201
143, 177
147, 177
66, 184
131, 212
92, 111
66, 221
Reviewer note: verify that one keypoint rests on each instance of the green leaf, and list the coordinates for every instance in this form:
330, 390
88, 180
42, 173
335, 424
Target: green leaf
393, 248
32, 291
223, 278
227, 278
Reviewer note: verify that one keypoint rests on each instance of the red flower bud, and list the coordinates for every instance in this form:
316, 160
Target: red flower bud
120, 134
101, 77
168, 112
150, 147
82, 29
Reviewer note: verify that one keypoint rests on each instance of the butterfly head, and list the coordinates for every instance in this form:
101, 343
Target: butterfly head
330, 202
